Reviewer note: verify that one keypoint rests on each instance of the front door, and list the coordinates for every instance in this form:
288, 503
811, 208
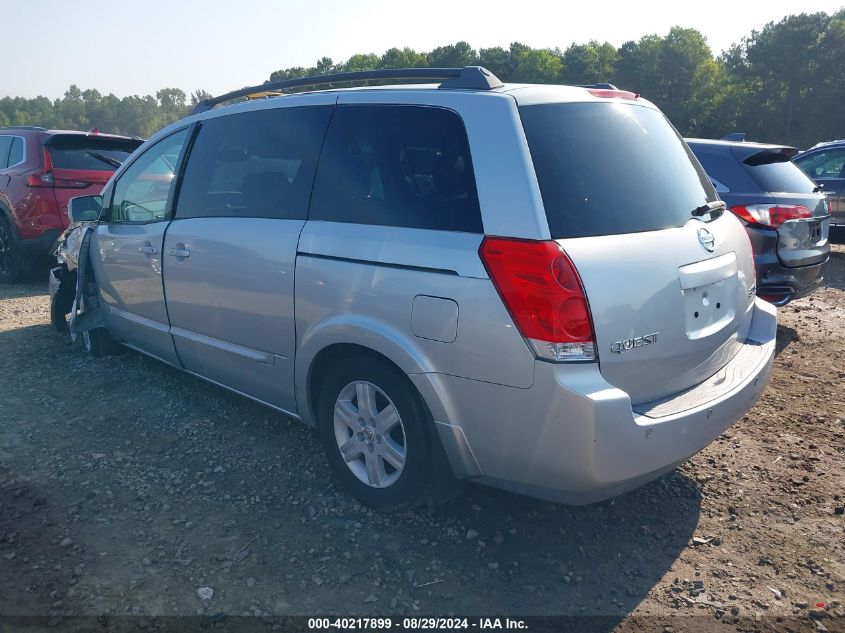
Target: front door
127, 249
230, 251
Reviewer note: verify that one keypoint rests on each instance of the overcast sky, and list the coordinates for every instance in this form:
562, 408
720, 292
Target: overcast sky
136, 47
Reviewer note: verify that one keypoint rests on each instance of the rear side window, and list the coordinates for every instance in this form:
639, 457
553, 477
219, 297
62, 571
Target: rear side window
721, 168
16, 151
256, 164
89, 153
774, 172
5, 146
405, 166
609, 168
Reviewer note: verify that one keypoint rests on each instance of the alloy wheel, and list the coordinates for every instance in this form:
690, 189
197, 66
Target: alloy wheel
369, 434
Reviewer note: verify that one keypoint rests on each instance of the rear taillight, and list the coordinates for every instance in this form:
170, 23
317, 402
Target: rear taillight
42, 179
544, 295
771, 215
44, 176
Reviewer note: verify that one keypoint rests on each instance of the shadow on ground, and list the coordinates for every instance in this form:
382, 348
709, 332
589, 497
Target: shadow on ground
785, 337
165, 484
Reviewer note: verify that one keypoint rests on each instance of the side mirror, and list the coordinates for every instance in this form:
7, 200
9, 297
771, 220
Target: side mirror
85, 209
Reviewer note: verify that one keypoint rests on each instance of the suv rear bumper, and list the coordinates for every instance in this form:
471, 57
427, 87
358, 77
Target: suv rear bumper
781, 284
574, 438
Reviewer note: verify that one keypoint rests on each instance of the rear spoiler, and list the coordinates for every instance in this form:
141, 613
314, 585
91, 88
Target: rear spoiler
764, 156
64, 140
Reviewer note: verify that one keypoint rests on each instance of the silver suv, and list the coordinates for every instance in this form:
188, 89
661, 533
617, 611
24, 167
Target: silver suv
533, 287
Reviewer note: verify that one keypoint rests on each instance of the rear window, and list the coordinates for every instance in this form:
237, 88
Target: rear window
77, 151
774, 172
610, 168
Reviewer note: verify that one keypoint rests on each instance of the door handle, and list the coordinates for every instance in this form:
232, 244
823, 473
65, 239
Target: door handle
179, 251
148, 250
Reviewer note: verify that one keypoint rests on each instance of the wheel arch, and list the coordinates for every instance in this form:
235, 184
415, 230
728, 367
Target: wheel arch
6, 213
349, 335
344, 335
318, 370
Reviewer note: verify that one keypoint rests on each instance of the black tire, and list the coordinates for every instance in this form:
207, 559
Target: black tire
98, 342
14, 266
61, 303
418, 478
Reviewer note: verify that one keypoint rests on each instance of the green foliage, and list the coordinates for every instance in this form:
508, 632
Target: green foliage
784, 83
453, 56
589, 63
85, 109
787, 81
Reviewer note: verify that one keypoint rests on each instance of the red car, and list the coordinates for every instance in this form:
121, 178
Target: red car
40, 170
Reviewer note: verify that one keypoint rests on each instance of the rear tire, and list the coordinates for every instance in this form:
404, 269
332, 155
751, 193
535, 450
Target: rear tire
388, 463
14, 266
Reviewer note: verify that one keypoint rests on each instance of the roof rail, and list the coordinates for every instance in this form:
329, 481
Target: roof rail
24, 127
600, 86
466, 78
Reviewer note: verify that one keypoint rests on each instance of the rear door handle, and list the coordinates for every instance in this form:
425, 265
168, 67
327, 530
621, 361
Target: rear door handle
148, 250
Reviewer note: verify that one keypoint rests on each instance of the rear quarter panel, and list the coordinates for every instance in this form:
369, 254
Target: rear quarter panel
357, 284
33, 210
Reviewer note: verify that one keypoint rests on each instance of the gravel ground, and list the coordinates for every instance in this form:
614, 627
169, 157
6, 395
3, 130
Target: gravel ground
127, 487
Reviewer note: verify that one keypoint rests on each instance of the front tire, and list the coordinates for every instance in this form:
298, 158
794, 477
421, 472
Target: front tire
99, 343
375, 431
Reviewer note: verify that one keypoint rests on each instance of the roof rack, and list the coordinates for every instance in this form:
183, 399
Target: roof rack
466, 78
599, 86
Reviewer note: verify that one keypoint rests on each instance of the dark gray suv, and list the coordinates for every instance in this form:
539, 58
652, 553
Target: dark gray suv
786, 215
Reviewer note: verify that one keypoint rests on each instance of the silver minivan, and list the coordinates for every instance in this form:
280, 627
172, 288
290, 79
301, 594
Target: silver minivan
534, 287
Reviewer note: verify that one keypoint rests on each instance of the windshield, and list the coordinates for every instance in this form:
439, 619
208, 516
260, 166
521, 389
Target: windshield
77, 151
610, 168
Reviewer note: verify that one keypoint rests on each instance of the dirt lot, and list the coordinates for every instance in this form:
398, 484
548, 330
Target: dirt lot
126, 486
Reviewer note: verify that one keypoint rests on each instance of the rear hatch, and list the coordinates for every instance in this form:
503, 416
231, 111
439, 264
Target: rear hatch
803, 237
670, 290
81, 164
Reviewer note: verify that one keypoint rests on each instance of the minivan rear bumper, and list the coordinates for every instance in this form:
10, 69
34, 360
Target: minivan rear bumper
574, 438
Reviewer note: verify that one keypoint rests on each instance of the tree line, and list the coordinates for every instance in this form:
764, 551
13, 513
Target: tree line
784, 83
